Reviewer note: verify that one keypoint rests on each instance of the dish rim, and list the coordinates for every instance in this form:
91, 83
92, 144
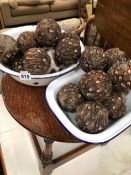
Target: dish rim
17, 74
70, 127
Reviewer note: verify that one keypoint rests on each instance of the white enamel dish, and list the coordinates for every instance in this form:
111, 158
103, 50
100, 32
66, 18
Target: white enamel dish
68, 119
35, 80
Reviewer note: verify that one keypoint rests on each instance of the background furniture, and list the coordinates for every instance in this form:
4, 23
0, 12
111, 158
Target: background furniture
87, 8
27, 105
82, 8
93, 37
113, 20
22, 14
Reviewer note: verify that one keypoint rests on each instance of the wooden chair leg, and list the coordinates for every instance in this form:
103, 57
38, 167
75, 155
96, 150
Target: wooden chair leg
46, 156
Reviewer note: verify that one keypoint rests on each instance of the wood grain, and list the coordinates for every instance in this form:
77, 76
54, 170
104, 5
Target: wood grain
28, 106
113, 20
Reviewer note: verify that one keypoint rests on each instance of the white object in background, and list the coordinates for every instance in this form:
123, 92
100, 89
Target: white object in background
68, 119
95, 3
113, 158
69, 25
7, 122
36, 80
19, 154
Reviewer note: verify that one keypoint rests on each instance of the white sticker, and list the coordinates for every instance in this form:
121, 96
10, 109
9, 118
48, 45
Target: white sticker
25, 75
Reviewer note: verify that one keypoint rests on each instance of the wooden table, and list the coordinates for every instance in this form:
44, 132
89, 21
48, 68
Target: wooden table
28, 106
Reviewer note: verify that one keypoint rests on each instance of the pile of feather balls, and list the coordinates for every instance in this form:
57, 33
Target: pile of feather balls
101, 93
100, 96
43, 51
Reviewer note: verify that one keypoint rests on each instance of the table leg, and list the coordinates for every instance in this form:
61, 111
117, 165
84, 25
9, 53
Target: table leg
46, 156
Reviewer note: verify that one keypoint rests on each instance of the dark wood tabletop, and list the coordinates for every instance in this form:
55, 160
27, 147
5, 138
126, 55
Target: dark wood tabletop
28, 106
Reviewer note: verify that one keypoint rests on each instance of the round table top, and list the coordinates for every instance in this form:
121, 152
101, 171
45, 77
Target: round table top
28, 106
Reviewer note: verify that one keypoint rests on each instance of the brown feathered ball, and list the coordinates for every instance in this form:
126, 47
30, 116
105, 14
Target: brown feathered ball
70, 35
69, 97
116, 105
36, 61
26, 40
92, 117
68, 51
48, 32
96, 85
114, 55
8, 49
120, 74
93, 59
